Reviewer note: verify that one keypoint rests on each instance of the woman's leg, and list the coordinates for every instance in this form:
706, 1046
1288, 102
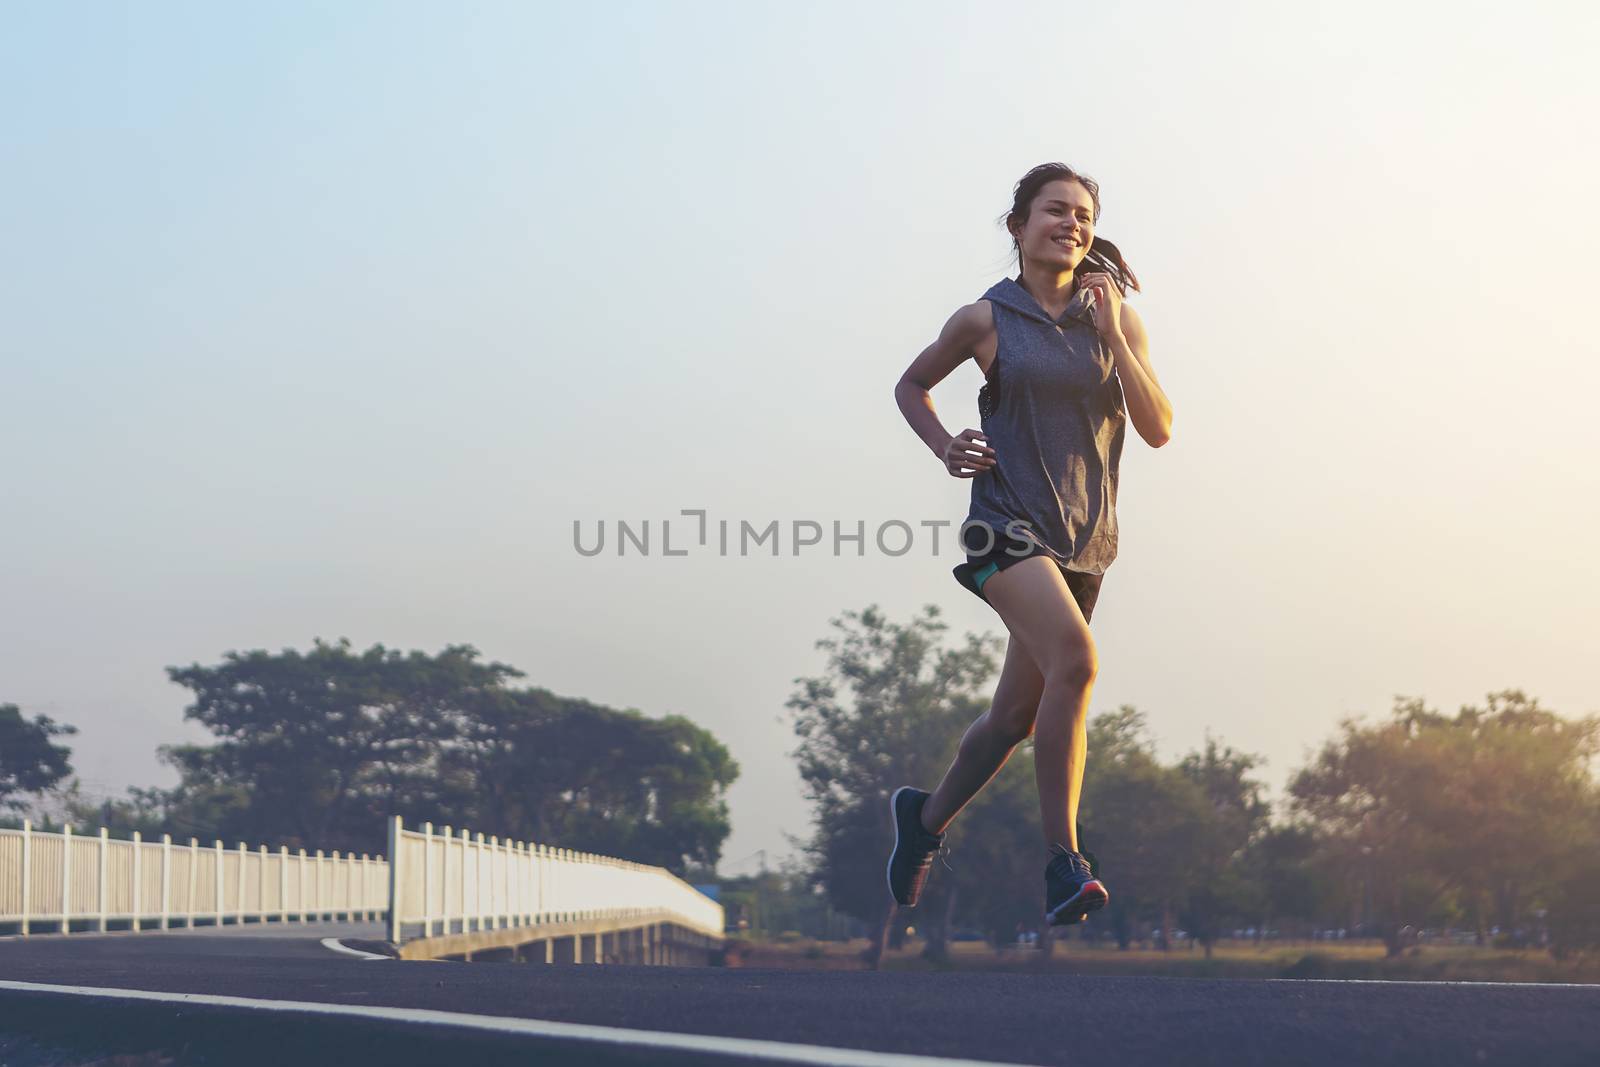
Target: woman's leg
1037, 607
990, 739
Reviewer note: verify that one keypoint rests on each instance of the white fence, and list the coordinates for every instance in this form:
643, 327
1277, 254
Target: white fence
446, 882
454, 881
64, 878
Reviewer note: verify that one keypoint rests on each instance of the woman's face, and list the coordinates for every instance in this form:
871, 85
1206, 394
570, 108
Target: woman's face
1060, 225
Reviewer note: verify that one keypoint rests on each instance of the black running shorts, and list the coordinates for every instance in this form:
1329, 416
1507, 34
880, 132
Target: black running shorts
978, 569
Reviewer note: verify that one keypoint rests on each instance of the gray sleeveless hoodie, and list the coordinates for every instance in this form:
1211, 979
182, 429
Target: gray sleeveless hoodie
1053, 410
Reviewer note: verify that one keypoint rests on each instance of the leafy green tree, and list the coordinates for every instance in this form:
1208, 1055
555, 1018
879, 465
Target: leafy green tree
1522, 782
1220, 890
1377, 795
316, 749
31, 761
1423, 809
998, 853
888, 711
1574, 906
1286, 865
779, 904
144, 810
590, 777
1145, 822
323, 745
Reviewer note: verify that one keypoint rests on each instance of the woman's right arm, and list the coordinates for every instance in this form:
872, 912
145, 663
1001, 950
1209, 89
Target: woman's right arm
966, 454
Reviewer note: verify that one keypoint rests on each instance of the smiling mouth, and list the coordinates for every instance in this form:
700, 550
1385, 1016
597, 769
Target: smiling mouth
1065, 242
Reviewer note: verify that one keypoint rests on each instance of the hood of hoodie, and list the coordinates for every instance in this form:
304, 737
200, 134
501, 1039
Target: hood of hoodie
1009, 293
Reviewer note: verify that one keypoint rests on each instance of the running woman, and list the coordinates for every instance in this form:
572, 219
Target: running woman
1065, 364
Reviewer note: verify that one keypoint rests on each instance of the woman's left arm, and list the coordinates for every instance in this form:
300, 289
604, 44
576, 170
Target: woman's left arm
1148, 406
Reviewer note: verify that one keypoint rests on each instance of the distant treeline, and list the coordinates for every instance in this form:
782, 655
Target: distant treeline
317, 749
1489, 818
1485, 819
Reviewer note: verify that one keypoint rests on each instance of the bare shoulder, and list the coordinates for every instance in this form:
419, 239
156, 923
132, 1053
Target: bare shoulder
969, 334
1133, 326
1138, 338
971, 322
965, 335
973, 336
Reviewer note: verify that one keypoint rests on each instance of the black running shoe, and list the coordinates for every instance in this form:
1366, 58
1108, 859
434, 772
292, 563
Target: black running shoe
1071, 889
914, 847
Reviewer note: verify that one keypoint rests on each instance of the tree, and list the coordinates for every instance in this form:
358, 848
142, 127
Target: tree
30, 761
144, 810
775, 903
592, 777
1145, 821
317, 749
1287, 867
998, 853
1375, 794
1574, 906
889, 711
1522, 790
1424, 807
1220, 891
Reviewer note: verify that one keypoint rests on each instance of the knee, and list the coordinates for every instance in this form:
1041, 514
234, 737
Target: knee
1013, 725
1075, 664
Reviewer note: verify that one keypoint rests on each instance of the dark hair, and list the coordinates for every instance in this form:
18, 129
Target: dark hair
1103, 255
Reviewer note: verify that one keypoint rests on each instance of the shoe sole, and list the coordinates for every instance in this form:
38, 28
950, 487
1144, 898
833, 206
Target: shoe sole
1076, 908
894, 816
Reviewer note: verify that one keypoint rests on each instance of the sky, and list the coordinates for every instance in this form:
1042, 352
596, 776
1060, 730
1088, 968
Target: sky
332, 320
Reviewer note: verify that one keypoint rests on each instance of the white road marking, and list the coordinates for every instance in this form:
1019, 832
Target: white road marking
729, 1046
336, 945
1438, 981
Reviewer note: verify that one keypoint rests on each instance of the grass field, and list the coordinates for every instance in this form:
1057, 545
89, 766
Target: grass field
1242, 959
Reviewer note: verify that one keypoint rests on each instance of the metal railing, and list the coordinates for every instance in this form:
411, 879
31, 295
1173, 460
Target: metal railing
65, 878
454, 881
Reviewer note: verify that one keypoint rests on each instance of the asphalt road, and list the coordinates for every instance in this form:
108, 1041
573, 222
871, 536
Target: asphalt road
1015, 1018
